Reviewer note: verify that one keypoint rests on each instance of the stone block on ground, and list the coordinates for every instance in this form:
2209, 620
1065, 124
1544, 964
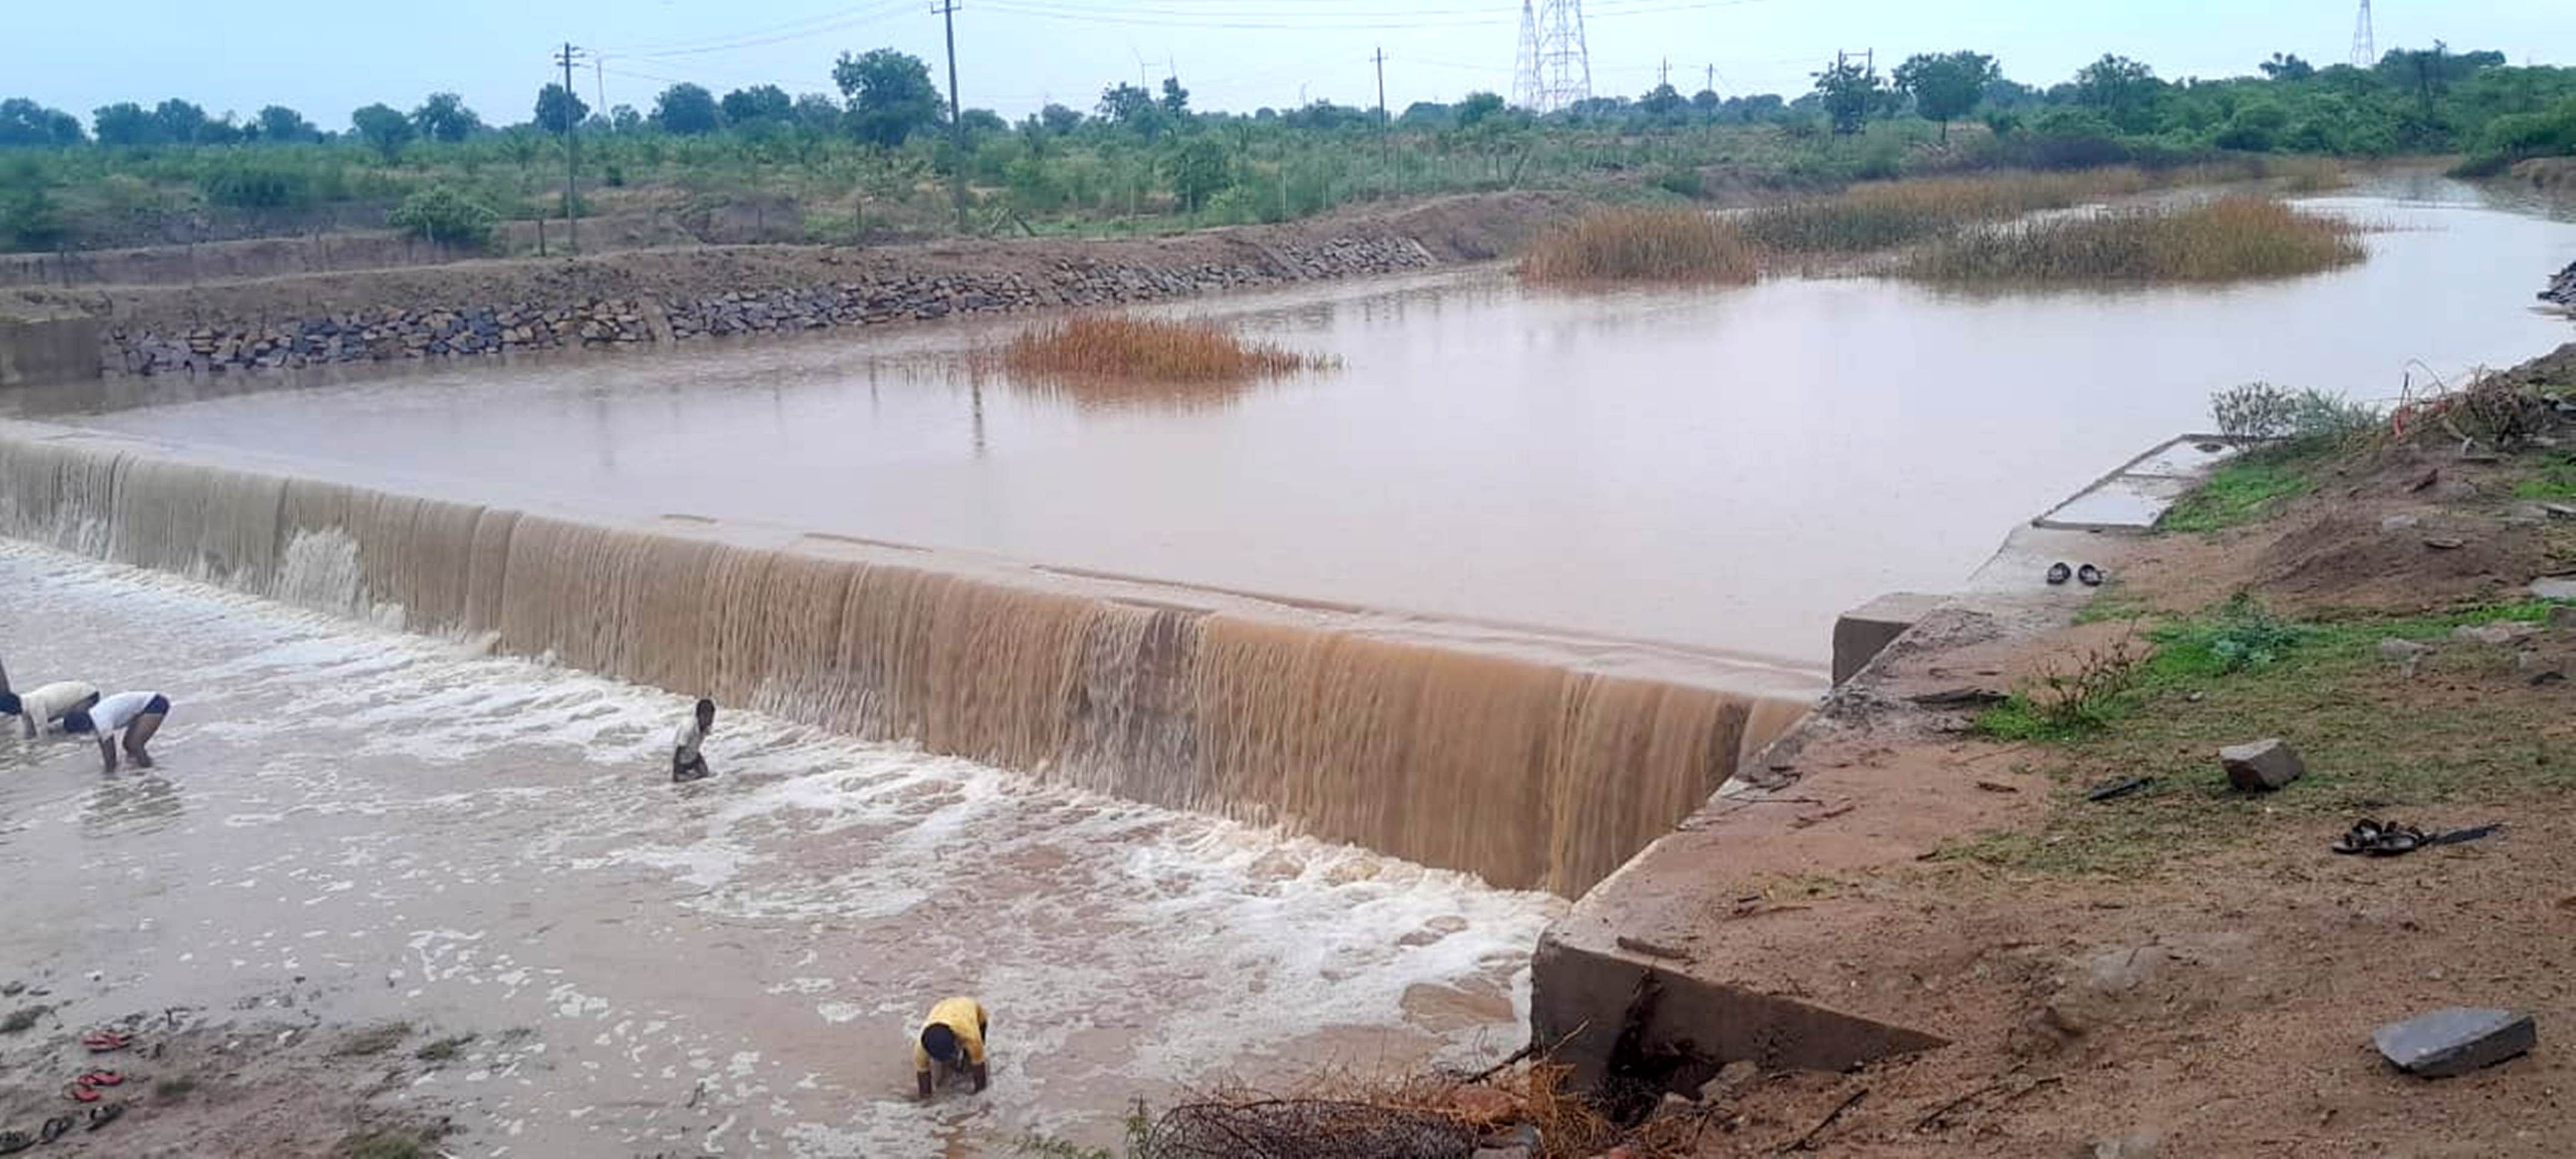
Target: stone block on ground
2498, 634
1732, 1080
2562, 617
2455, 1040
2261, 766
2554, 587
2406, 654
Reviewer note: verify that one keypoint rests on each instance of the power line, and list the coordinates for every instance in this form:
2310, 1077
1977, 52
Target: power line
798, 30
1556, 60
2365, 39
1296, 22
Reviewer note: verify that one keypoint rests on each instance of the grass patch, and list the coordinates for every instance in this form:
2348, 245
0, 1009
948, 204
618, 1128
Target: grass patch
373, 1040
22, 1018
444, 1049
2242, 490
383, 1145
2555, 479
1161, 350
2071, 702
2228, 239
2376, 741
174, 1088
1643, 245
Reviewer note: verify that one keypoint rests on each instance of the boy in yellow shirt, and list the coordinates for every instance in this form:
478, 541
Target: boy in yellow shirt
951, 1042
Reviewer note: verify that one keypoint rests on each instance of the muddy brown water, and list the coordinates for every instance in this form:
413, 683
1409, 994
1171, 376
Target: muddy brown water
1724, 470
385, 825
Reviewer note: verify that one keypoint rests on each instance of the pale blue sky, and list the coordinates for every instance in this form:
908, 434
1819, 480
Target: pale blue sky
326, 57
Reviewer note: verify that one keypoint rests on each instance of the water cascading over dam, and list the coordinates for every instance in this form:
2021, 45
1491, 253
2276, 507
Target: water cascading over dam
1529, 771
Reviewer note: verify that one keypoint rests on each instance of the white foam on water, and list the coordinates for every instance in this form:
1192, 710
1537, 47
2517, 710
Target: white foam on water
1197, 942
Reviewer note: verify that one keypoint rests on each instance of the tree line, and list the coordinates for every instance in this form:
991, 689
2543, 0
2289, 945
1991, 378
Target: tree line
2411, 101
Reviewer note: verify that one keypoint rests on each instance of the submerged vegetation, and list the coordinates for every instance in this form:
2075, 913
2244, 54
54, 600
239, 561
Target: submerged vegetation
1151, 349
2228, 239
1644, 245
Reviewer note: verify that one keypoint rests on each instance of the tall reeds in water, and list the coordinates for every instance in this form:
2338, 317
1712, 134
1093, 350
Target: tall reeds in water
2228, 239
1644, 245
1151, 349
1883, 216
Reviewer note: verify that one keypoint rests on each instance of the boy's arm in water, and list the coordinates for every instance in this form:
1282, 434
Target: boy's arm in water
107, 750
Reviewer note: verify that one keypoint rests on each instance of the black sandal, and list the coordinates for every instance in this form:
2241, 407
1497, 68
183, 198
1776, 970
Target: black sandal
56, 1128
12, 1142
102, 1115
2089, 575
2397, 841
2058, 574
2363, 834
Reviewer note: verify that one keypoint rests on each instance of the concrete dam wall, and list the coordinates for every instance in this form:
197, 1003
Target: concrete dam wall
1529, 768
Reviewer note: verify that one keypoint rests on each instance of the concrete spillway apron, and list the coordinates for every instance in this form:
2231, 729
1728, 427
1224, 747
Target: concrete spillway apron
1638, 980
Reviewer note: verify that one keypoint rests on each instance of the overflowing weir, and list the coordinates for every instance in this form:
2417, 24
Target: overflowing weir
1531, 764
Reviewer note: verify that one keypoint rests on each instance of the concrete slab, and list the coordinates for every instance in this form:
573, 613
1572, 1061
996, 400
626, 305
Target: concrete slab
2133, 497
1863, 632
41, 348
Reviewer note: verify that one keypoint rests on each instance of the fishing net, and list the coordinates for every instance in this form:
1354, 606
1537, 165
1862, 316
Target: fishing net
1307, 1129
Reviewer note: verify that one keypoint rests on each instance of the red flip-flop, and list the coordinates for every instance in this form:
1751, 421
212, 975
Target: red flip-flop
103, 1041
101, 1078
79, 1093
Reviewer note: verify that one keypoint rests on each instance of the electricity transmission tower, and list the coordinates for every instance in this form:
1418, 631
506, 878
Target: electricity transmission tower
1555, 65
2365, 44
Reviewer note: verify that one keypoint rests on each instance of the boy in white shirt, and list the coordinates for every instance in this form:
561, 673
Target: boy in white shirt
136, 714
47, 703
687, 763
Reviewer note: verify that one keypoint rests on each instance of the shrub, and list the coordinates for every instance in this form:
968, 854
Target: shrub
1655, 245
1679, 181
259, 185
443, 215
2260, 410
2068, 702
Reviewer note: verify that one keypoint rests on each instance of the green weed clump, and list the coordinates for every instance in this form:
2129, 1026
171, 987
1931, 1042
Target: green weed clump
2239, 492
2229, 239
2071, 702
1644, 245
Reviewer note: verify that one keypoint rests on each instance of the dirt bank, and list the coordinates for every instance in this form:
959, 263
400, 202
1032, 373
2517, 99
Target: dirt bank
2182, 968
660, 295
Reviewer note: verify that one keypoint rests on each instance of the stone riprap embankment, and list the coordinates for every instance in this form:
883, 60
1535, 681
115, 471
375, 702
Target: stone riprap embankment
2562, 289
872, 297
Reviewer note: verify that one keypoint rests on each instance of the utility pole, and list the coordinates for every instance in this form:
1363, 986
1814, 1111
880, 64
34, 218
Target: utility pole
956, 119
1711, 86
1664, 78
599, 87
572, 162
1385, 123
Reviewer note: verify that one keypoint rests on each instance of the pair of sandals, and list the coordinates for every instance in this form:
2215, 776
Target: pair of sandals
2088, 575
12, 1142
2372, 839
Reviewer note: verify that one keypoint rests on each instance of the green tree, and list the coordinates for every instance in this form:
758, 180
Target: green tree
126, 123
624, 119
816, 112
2121, 89
757, 104
889, 94
2287, 68
1948, 85
1131, 107
1476, 108
1176, 100
440, 214
25, 123
28, 219
1198, 170
1849, 92
1663, 100
1059, 120
688, 110
182, 122
559, 108
279, 123
381, 126
444, 117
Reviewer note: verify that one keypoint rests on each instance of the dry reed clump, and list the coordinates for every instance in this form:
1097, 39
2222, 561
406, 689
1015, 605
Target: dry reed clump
2228, 239
1881, 216
1413, 1117
1643, 245
1155, 349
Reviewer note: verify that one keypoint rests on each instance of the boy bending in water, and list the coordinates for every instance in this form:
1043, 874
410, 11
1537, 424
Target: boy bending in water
951, 1044
136, 714
687, 763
